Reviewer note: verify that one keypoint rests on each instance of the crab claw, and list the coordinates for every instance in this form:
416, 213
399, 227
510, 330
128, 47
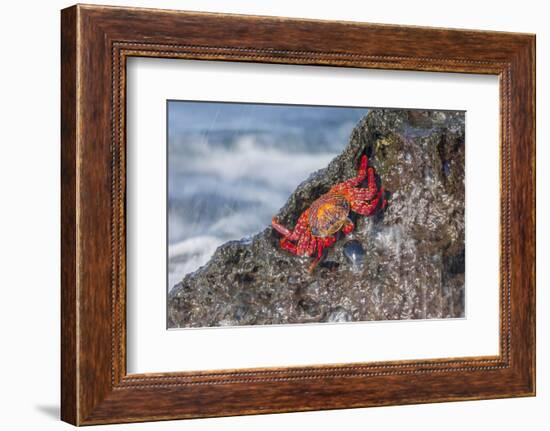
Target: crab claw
279, 227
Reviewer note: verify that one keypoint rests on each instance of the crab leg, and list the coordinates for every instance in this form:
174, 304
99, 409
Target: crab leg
320, 247
298, 231
362, 194
287, 237
322, 243
367, 208
313, 244
362, 172
348, 227
354, 182
329, 241
288, 246
306, 244
350, 190
301, 227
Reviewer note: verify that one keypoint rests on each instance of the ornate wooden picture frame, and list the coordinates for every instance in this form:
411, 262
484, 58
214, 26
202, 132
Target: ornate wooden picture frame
96, 41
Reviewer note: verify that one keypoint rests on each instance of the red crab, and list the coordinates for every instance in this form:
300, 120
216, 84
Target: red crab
318, 225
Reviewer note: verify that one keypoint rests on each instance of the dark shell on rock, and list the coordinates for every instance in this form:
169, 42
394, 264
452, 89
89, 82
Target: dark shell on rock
354, 252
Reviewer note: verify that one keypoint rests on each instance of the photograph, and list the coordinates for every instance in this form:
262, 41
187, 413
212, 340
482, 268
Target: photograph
296, 214
275, 215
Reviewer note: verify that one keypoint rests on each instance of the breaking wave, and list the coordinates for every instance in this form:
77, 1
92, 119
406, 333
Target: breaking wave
227, 183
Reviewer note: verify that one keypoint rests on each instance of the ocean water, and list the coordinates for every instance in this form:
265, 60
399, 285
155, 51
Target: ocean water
231, 166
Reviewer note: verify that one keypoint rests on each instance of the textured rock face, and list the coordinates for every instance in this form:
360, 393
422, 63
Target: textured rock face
413, 261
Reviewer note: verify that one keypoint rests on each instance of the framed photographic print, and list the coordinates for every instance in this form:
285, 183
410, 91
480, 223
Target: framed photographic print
264, 214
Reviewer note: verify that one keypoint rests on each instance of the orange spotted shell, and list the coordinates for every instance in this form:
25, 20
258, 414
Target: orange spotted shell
328, 214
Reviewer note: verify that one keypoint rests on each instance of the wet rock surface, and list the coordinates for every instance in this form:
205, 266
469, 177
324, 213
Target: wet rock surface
405, 262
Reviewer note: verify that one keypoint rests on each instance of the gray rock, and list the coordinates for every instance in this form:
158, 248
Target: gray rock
414, 249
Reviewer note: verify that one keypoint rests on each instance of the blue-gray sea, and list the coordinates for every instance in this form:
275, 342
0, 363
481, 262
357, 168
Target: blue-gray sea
231, 166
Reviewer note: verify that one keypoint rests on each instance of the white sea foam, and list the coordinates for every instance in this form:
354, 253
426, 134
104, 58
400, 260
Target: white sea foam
250, 161
192, 245
246, 173
232, 168
189, 255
